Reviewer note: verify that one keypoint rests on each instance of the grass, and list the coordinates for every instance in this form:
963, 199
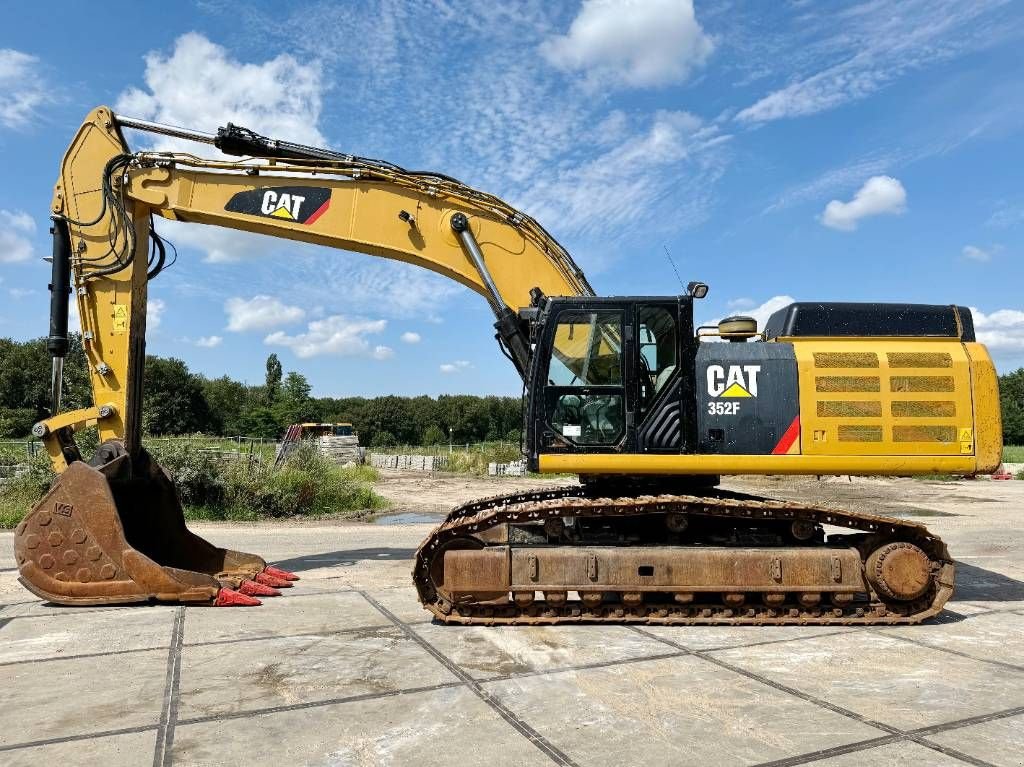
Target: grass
1013, 453
215, 487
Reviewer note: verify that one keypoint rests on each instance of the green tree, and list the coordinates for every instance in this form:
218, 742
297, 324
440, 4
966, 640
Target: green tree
434, 435
25, 382
228, 402
274, 373
383, 439
296, 387
1011, 395
260, 421
173, 402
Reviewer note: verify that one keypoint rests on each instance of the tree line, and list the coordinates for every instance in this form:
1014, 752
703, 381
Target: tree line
178, 401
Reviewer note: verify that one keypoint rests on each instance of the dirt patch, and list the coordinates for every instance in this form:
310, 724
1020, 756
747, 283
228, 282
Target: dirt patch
437, 494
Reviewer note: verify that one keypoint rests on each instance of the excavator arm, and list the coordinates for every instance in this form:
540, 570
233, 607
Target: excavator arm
106, 251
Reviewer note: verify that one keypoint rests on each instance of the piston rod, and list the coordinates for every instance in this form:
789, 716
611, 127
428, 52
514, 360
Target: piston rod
165, 130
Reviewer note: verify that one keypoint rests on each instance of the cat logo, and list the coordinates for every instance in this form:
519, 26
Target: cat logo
282, 205
296, 204
737, 381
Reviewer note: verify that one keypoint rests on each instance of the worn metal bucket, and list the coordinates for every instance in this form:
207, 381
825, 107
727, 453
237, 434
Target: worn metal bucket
116, 534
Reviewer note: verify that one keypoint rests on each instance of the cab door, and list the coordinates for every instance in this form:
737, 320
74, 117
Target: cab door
584, 394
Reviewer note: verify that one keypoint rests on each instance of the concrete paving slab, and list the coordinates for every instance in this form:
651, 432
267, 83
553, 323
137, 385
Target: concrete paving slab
717, 637
898, 683
220, 679
993, 636
410, 729
33, 608
905, 754
486, 652
403, 602
672, 711
282, 616
131, 750
999, 742
44, 638
82, 695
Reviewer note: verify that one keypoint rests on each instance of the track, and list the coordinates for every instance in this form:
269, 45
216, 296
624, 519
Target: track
478, 518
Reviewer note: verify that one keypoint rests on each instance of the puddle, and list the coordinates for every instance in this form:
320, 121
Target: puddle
409, 518
916, 512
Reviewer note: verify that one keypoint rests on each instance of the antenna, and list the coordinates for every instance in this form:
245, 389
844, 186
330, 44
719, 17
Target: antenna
669, 256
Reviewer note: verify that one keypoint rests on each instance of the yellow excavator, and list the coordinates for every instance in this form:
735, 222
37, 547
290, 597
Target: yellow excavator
624, 391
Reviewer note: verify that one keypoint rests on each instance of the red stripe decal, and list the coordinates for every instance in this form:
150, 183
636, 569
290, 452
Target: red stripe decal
788, 438
318, 212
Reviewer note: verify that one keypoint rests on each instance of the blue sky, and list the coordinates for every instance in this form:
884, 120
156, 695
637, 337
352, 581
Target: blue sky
818, 151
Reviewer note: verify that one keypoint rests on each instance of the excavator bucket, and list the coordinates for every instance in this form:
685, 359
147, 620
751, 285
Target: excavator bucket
116, 534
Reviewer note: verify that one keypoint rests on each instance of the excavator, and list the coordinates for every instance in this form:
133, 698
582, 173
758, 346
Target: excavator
649, 409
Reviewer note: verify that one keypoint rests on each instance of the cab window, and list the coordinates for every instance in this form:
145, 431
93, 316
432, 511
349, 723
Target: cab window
659, 351
586, 354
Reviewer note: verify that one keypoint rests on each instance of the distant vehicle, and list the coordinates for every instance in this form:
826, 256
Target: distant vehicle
338, 441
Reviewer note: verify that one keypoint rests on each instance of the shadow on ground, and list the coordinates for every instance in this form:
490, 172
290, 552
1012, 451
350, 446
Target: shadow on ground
343, 558
978, 583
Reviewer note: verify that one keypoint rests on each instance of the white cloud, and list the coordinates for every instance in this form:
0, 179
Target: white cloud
834, 180
338, 335
155, 308
19, 293
879, 195
1007, 214
455, 367
199, 85
760, 313
1000, 330
638, 179
635, 43
14, 244
22, 88
974, 253
259, 313
410, 337
209, 342
849, 53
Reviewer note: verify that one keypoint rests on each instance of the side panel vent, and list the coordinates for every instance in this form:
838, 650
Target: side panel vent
906, 433
924, 409
834, 408
919, 360
845, 360
849, 433
921, 384
846, 384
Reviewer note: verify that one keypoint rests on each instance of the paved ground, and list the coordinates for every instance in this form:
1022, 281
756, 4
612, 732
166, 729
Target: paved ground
347, 670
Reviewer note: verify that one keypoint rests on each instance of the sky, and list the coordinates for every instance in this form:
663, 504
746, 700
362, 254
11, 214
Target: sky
835, 151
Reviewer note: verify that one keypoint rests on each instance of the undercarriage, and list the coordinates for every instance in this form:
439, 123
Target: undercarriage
575, 555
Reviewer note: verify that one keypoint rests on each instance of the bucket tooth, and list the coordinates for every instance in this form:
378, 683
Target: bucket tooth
116, 534
270, 580
277, 572
254, 589
231, 598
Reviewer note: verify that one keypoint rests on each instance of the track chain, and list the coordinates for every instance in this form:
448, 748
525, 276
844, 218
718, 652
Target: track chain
472, 519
